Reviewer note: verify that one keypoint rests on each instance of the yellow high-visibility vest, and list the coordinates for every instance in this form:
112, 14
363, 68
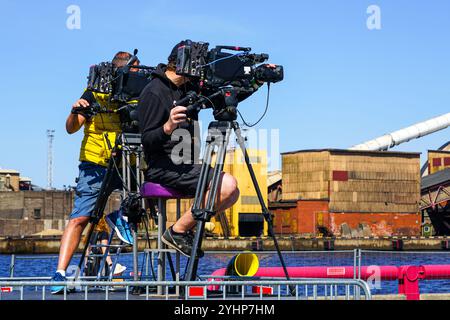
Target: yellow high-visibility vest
99, 129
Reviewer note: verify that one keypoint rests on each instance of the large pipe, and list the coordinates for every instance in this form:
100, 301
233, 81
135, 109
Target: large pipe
427, 272
407, 276
404, 135
385, 272
245, 264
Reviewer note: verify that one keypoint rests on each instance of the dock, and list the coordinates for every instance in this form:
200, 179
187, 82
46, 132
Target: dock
50, 245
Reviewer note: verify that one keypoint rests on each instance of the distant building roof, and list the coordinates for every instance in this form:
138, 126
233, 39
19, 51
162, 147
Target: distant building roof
37, 188
363, 152
24, 179
435, 179
6, 171
273, 177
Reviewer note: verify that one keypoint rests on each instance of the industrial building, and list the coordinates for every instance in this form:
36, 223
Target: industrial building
364, 191
26, 209
349, 193
435, 194
9, 180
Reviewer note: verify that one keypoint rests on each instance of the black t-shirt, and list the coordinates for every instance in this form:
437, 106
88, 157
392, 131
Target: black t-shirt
88, 96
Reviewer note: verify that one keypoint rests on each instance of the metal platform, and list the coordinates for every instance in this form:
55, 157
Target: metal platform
299, 289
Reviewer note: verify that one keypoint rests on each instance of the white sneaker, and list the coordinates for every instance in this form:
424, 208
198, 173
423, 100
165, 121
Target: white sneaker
119, 269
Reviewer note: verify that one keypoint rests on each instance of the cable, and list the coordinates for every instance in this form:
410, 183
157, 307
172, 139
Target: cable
209, 100
263, 115
224, 58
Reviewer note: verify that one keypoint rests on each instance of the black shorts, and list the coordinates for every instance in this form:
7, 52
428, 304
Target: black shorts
103, 235
183, 177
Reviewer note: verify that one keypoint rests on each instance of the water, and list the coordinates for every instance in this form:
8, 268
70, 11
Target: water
45, 267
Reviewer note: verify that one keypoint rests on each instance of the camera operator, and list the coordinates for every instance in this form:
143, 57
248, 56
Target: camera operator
159, 121
100, 133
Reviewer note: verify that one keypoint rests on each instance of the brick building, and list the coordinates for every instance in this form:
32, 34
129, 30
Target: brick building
25, 213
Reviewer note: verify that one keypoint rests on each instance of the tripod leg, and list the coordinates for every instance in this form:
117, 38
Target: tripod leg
191, 266
162, 220
201, 187
91, 263
85, 249
267, 215
105, 255
202, 215
171, 266
134, 231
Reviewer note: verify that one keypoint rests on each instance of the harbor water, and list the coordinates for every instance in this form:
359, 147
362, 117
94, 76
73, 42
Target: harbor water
45, 266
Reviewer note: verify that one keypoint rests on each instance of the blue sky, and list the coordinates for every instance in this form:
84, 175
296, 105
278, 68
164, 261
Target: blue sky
344, 84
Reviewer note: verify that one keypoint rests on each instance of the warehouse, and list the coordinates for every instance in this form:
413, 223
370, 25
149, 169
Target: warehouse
349, 193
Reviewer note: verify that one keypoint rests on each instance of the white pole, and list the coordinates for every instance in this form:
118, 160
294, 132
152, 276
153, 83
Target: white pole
404, 135
50, 137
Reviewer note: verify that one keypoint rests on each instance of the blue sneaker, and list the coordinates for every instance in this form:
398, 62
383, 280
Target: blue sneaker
58, 277
116, 221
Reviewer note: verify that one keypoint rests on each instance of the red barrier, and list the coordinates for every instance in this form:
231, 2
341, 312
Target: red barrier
407, 276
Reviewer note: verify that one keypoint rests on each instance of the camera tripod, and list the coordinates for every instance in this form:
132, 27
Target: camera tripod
219, 132
126, 146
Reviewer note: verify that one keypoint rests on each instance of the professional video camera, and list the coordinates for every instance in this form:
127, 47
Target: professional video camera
223, 78
123, 85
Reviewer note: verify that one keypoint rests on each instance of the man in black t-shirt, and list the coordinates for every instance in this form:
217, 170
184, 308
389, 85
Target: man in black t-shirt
162, 125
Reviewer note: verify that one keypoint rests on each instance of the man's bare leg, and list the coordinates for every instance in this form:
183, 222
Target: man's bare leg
70, 241
228, 195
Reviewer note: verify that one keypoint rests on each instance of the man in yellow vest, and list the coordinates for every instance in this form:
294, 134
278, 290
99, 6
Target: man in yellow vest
94, 155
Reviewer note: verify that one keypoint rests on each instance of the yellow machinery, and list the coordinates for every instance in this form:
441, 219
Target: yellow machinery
245, 217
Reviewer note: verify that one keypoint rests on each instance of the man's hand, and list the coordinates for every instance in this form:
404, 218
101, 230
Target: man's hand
177, 116
75, 121
81, 103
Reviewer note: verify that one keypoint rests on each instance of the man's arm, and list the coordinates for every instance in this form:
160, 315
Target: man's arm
155, 122
75, 121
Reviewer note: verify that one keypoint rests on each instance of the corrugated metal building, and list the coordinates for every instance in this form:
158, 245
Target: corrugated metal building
349, 193
438, 160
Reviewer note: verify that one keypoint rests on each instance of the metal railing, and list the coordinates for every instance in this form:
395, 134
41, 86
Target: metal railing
414, 273
15, 258
151, 254
298, 289
28, 288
